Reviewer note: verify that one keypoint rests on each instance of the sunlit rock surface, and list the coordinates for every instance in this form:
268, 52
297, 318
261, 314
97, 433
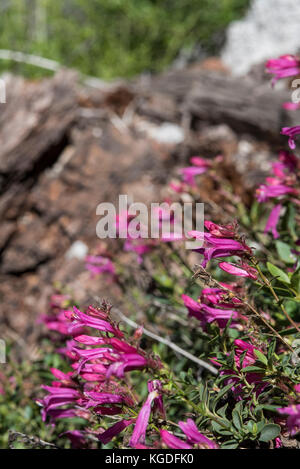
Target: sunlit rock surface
270, 28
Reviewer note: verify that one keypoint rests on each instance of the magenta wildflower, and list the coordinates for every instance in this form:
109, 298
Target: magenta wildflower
292, 133
265, 192
219, 246
244, 270
207, 314
194, 437
172, 441
58, 397
293, 421
153, 399
94, 320
100, 264
113, 431
291, 106
273, 221
189, 174
127, 362
283, 67
218, 296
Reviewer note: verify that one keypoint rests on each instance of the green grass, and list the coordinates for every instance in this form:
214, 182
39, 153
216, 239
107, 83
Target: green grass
109, 38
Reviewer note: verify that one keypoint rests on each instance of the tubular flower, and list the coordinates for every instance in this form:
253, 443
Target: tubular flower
94, 318
99, 264
207, 314
189, 174
195, 439
113, 431
201, 165
58, 397
265, 192
154, 399
292, 133
221, 244
244, 270
172, 441
220, 297
283, 67
293, 421
273, 221
97, 360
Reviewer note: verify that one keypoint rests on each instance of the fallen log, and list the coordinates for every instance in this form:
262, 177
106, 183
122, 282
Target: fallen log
243, 104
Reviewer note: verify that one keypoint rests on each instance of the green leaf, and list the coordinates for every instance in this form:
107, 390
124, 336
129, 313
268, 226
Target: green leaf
253, 369
260, 356
223, 391
237, 418
269, 432
285, 253
295, 280
231, 444
278, 273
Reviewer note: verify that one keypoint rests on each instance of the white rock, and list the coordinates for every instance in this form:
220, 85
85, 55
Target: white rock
271, 28
167, 133
78, 250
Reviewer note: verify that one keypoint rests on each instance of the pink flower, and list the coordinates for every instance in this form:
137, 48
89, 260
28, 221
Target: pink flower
289, 160
278, 443
94, 320
291, 106
200, 162
273, 221
100, 398
139, 432
218, 296
172, 441
297, 388
64, 378
285, 66
244, 270
222, 231
265, 192
240, 347
58, 397
293, 421
139, 246
113, 431
127, 362
219, 246
207, 314
195, 437
99, 264
291, 132
190, 172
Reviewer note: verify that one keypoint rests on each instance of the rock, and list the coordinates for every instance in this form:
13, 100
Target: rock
270, 29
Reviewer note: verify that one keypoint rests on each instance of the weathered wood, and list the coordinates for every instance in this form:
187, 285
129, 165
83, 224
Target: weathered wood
241, 103
34, 125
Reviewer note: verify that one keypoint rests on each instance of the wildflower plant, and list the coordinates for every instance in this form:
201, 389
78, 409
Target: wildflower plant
236, 313
242, 302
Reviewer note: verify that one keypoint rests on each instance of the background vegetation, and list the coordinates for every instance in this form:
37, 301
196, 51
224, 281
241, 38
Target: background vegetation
109, 38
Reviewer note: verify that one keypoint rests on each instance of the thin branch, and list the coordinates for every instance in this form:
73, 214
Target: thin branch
51, 65
28, 439
168, 343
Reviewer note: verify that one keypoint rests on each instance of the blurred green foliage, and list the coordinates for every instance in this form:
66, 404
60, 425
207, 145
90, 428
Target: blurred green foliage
109, 38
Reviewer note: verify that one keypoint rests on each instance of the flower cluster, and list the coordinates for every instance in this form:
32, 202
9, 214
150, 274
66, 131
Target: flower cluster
247, 327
